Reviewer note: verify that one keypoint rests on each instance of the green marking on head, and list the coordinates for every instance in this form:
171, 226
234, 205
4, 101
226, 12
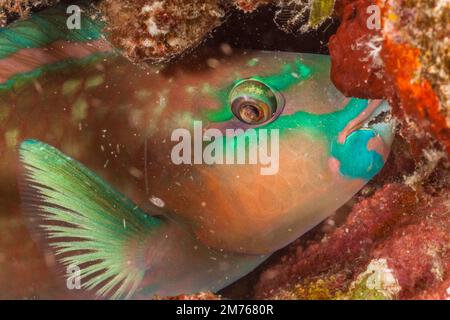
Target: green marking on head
290, 74
356, 162
224, 112
328, 124
253, 62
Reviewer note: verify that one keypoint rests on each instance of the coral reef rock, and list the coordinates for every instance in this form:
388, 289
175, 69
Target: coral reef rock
357, 69
405, 57
10, 9
416, 53
250, 5
158, 30
197, 296
394, 245
302, 15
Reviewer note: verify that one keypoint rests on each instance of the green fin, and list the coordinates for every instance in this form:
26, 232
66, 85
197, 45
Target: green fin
42, 30
45, 27
85, 221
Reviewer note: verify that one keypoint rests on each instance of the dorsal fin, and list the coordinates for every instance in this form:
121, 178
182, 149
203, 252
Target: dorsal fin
43, 43
44, 28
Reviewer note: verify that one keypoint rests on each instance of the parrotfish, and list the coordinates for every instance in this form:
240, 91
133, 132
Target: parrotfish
94, 135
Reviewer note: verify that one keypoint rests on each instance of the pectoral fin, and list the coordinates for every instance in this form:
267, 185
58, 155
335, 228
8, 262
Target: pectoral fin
85, 221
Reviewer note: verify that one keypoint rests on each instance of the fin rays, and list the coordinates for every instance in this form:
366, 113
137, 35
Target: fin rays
86, 222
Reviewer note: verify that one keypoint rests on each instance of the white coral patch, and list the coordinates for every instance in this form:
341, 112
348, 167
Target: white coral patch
441, 5
372, 45
150, 10
378, 276
153, 28
157, 5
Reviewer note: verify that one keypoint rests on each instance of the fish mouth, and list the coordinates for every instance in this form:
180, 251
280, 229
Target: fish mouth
384, 116
380, 115
376, 117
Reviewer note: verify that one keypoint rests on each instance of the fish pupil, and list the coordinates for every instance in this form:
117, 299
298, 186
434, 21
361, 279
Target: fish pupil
251, 113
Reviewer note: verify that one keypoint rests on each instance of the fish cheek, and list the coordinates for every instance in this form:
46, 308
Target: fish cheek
237, 209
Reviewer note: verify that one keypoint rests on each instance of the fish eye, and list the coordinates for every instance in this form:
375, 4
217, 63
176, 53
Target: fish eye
254, 102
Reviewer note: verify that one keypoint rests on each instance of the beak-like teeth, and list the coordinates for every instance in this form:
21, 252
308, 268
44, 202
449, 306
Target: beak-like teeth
383, 117
382, 114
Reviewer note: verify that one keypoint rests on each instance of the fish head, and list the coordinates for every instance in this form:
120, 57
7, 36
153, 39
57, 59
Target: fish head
250, 149
270, 149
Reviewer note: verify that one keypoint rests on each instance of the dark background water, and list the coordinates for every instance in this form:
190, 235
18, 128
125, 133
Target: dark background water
257, 30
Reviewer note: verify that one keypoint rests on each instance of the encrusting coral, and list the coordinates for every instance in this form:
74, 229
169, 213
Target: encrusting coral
159, 30
20, 8
405, 60
417, 57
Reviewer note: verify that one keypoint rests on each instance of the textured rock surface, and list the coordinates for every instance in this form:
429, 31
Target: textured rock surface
10, 9
357, 69
406, 60
159, 30
416, 54
250, 5
394, 244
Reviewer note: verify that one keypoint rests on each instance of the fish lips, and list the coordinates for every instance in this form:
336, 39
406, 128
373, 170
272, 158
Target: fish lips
377, 118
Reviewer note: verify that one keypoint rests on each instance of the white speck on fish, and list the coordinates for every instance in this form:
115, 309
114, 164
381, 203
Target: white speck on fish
157, 202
